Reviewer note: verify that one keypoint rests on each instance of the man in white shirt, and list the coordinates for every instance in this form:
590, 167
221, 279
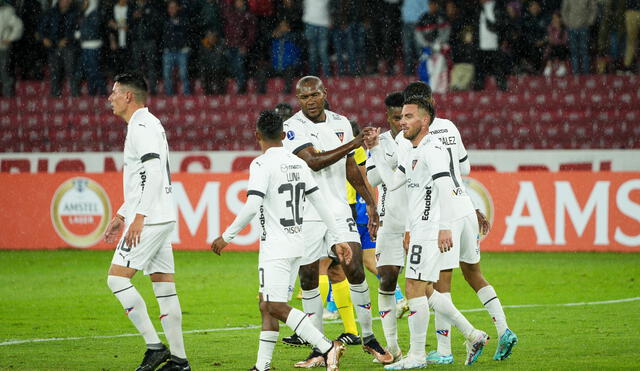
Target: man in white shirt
324, 140
392, 205
279, 182
465, 253
147, 218
424, 169
490, 58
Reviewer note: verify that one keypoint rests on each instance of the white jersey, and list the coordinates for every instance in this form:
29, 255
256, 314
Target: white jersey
323, 136
449, 136
422, 165
283, 180
391, 204
146, 140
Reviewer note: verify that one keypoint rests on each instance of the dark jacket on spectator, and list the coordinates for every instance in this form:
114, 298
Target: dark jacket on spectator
345, 12
147, 27
292, 14
56, 26
239, 28
174, 36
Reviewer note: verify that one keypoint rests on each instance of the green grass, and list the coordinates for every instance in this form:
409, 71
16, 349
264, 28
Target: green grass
61, 294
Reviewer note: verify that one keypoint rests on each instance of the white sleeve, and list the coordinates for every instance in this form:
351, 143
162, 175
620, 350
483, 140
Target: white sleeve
296, 136
256, 190
392, 179
249, 210
152, 186
465, 165
373, 176
122, 211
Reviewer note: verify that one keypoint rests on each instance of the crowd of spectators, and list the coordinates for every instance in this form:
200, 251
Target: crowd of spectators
454, 43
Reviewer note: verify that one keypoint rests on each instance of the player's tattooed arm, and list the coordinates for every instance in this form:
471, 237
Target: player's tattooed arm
354, 176
319, 160
114, 229
483, 222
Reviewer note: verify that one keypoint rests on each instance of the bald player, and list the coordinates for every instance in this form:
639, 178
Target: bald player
325, 141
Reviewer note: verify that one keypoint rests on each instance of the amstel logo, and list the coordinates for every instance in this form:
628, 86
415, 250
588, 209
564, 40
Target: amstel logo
80, 212
481, 198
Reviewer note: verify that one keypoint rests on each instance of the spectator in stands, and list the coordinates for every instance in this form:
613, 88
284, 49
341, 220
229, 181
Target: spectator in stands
213, 63
176, 49
535, 34
411, 11
291, 11
285, 55
632, 26
28, 48
347, 17
56, 29
315, 15
388, 19
119, 35
210, 17
513, 42
579, 16
90, 36
145, 27
555, 55
610, 33
263, 12
463, 56
432, 37
490, 58
240, 34
10, 31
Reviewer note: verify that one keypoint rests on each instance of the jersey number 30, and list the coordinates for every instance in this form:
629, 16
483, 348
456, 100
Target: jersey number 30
295, 199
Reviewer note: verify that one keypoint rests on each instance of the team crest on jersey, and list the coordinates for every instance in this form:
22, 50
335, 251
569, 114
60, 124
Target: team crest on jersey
413, 164
340, 135
291, 135
80, 212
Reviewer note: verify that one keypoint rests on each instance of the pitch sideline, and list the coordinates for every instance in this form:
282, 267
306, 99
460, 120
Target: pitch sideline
251, 327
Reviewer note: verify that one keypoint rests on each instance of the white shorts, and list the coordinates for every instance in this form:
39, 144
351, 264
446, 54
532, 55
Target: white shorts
389, 249
315, 237
277, 278
152, 255
466, 243
423, 261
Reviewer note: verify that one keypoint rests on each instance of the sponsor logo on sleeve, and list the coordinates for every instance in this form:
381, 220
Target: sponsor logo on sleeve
291, 135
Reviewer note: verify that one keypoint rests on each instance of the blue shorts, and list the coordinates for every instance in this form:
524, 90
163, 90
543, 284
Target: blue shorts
365, 239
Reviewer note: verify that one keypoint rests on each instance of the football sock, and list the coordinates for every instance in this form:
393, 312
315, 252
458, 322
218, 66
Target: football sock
440, 303
387, 308
489, 299
323, 286
342, 298
443, 330
398, 293
135, 308
170, 316
268, 341
418, 322
362, 300
312, 306
300, 324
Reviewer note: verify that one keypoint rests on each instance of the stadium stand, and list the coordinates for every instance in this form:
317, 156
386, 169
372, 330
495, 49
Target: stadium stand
573, 112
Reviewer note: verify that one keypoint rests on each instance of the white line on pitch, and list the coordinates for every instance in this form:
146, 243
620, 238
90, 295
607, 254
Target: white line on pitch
252, 327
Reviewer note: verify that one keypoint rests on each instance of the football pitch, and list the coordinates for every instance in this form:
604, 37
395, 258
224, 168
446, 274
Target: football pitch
569, 310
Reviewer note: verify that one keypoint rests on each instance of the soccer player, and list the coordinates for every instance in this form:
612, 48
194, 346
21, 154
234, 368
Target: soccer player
147, 218
392, 210
466, 250
432, 197
324, 140
279, 182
